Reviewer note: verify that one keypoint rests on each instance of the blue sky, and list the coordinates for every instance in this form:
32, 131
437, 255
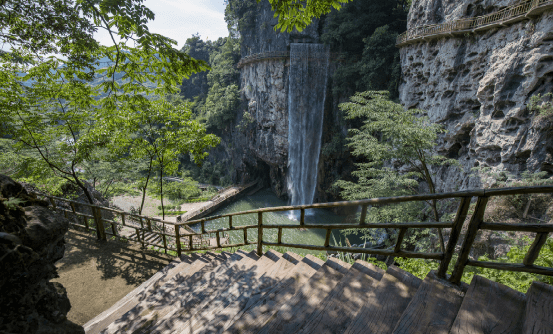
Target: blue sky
180, 19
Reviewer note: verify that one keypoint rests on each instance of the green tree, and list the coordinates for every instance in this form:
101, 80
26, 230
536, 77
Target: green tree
159, 134
58, 86
391, 135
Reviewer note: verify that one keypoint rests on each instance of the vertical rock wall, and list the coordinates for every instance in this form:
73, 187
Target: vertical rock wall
31, 241
478, 86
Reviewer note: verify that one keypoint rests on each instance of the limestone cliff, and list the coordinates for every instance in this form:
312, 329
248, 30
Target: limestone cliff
478, 86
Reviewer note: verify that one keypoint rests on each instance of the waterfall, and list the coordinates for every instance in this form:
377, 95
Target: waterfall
306, 98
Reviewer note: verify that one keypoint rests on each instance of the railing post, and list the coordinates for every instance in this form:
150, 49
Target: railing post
302, 217
177, 240
279, 241
191, 243
100, 230
363, 215
245, 236
535, 248
230, 222
469, 239
454, 235
260, 233
327, 237
400, 237
218, 239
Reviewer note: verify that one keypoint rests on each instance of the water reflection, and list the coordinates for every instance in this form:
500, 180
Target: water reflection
264, 199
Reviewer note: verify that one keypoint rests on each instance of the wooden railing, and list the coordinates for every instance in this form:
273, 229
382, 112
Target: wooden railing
505, 16
445, 256
143, 226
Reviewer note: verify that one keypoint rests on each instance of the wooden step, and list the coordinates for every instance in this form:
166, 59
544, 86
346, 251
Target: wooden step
183, 282
282, 269
212, 317
95, 325
338, 309
539, 309
433, 308
387, 302
254, 317
490, 307
294, 312
211, 295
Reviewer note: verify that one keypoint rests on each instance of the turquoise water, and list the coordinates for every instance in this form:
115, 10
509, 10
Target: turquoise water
264, 199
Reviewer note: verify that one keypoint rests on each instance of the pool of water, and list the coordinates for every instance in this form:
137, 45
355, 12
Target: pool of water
266, 198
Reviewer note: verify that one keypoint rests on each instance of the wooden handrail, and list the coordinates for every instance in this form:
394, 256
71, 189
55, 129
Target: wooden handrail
507, 15
444, 256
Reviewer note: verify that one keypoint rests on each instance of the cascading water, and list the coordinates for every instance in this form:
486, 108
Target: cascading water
306, 98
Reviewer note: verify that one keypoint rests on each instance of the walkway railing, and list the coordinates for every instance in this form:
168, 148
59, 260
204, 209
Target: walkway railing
476, 224
144, 226
275, 55
503, 17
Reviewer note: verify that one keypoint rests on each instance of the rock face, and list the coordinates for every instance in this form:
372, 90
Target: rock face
31, 241
478, 87
259, 146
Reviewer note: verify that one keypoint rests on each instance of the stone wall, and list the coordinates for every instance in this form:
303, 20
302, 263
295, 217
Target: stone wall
478, 86
31, 241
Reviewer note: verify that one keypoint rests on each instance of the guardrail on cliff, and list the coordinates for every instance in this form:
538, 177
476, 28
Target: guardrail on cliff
444, 256
508, 15
275, 55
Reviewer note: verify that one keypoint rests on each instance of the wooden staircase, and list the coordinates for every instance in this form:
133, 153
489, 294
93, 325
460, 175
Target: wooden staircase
285, 293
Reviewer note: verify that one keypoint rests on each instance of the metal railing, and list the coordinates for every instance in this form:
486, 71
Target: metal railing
476, 223
502, 17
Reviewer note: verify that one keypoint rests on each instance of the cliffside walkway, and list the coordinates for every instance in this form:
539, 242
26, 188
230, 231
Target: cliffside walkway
523, 10
276, 55
271, 292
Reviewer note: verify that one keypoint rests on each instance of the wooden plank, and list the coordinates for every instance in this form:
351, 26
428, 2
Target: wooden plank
340, 307
155, 305
512, 267
211, 319
367, 226
98, 323
460, 218
534, 250
491, 308
408, 254
474, 225
537, 228
387, 302
208, 297
539, 309
293, 313
433, 308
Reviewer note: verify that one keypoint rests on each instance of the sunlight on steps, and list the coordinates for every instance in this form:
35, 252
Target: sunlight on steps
287, 293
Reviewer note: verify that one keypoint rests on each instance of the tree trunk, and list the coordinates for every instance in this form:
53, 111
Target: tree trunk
161, 191
145, 187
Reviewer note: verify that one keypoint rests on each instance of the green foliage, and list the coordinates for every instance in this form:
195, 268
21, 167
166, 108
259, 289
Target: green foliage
12, 203
247, 119
299, 14
391, 134
176, 191
543, 105
365, 33
61, 90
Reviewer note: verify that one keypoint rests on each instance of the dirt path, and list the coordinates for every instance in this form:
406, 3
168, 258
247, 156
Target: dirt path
98, 274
